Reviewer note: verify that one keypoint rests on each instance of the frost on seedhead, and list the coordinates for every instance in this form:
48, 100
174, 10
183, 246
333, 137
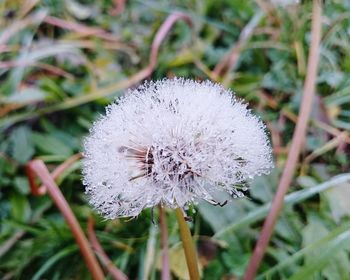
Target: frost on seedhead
172, 142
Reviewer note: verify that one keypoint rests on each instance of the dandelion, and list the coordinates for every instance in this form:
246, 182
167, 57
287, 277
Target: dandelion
172, 142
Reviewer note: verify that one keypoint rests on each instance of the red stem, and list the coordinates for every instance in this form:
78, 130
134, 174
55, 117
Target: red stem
38, 167
297, 142
229, 60
55, 174
112, 269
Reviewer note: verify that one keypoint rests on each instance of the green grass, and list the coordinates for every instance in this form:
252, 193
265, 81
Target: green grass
54, 82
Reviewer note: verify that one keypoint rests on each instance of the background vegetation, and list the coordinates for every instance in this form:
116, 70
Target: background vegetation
63, 61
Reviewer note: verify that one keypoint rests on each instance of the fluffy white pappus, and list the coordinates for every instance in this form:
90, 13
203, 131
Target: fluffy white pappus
172, 142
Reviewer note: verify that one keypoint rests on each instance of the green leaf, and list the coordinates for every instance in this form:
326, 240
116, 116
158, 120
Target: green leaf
20, 208
21, 184
51, 145
338, 268
219, 217
314, 230
236, 262
261, 189
318, 246
306, 181
25, 96
338, 199
22, 148
51, 261
291, 199
319, 261
214, 270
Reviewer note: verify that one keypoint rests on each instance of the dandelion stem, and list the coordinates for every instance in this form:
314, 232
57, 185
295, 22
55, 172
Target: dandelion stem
187, 243
164, 243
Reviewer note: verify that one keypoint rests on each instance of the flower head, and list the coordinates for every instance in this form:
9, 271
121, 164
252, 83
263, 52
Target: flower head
172, 142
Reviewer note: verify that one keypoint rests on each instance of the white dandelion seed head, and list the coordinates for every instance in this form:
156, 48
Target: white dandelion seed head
172, 142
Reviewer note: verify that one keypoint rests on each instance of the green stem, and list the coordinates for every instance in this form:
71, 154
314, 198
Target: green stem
188, 245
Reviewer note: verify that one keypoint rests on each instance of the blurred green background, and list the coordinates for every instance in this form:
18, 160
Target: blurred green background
63, 61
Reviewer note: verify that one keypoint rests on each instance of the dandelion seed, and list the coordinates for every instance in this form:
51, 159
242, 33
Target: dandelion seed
172, 142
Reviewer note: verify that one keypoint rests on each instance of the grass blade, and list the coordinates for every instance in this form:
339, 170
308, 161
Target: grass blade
329, 241
51, 261
291, 199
